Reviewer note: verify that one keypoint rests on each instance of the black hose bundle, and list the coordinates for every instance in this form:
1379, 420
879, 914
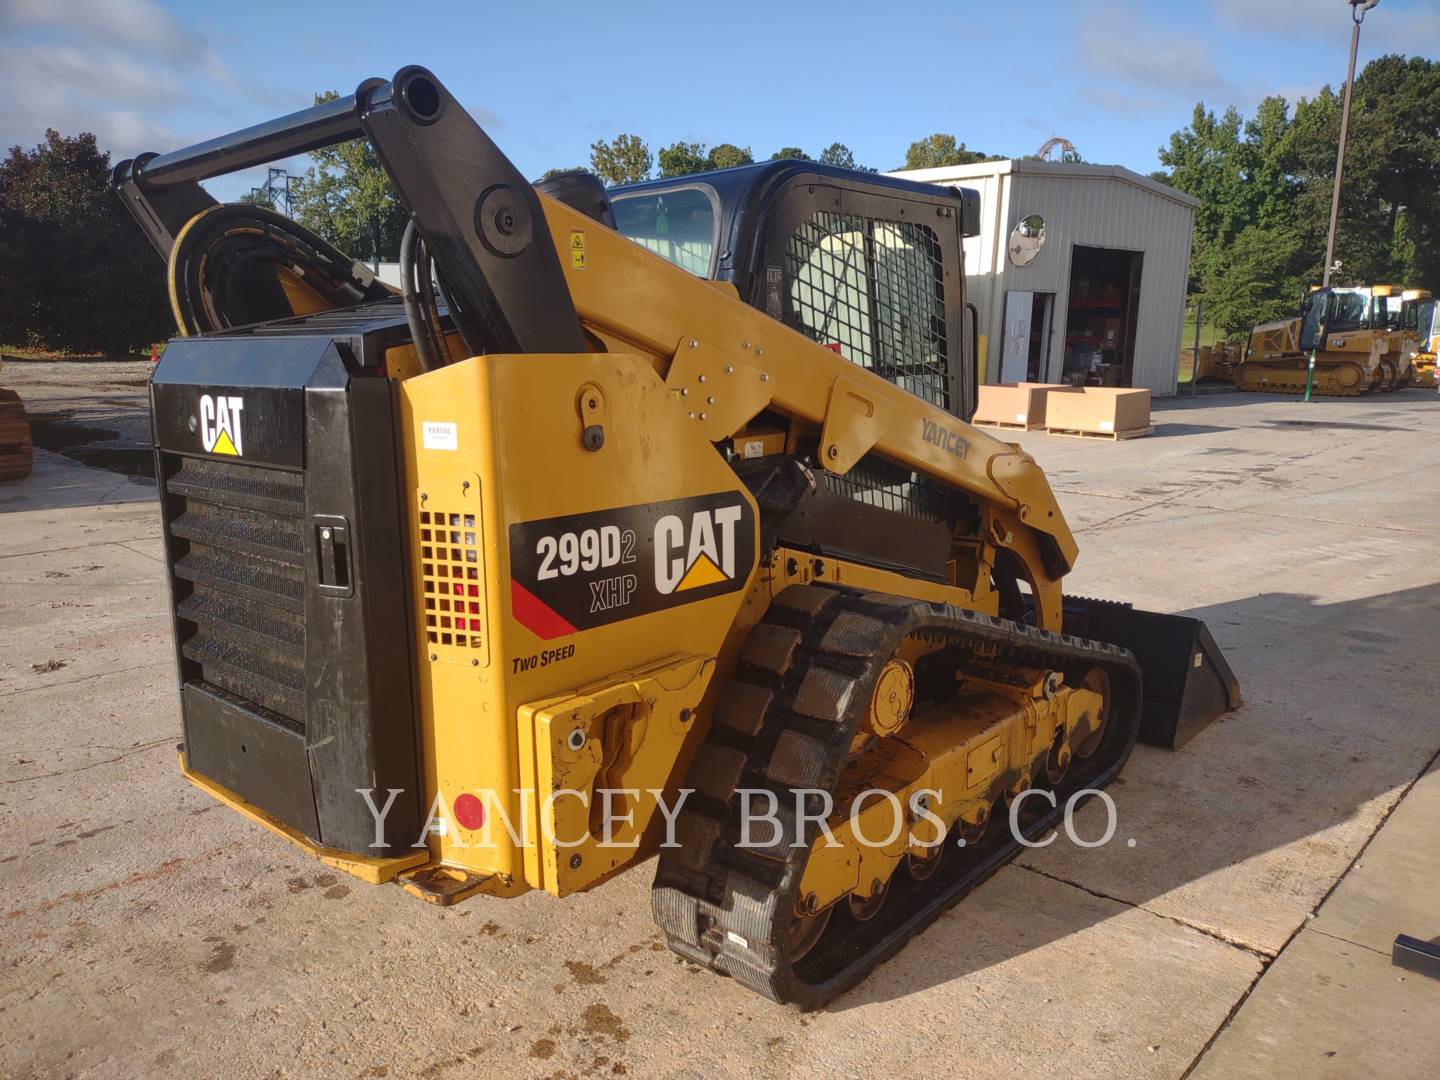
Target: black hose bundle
417, 289
235, 264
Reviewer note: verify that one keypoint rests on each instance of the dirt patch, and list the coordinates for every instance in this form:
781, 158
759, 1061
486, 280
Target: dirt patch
222, 958
599, 1020
584, 974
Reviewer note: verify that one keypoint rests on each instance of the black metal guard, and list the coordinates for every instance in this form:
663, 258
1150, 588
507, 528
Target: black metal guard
480, 218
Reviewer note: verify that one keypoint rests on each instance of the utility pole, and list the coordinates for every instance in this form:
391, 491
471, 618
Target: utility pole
1358, 8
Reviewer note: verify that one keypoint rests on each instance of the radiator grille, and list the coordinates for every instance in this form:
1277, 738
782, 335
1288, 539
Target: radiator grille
450, 579
239, 567
874, 290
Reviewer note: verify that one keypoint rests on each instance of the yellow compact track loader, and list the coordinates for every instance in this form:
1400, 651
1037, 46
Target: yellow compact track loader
636, 523
1361, 338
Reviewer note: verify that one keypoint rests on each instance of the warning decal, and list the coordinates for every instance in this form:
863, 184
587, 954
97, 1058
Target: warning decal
586, 570
577, 249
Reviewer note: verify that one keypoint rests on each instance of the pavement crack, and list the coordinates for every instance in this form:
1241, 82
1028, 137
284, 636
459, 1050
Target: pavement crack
94, 764
1260, 954
1347, 941
80, 679
149, 555
1305, 924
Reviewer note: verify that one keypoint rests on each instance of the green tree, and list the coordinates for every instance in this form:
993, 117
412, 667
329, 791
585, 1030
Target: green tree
1265, 186
682, 159
76, 273
839, 155
548, 173
728, 155
625, 159
940, 149
347, 198
789, 152
1255, 282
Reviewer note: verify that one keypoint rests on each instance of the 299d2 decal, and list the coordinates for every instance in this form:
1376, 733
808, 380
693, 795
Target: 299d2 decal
586, 570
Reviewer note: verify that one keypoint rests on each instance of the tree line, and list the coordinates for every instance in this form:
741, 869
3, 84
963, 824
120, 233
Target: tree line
1265, 185
627, 158
76, 274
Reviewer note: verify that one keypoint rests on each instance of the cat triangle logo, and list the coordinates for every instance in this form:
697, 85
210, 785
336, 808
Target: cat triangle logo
220, 429
695, 551
703, 572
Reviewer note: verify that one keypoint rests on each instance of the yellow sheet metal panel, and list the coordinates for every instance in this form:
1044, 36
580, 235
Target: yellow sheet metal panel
589, 563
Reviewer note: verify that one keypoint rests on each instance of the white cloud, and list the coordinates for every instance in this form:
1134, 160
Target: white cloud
1151, 61
139, 25
119, 68
1389, 27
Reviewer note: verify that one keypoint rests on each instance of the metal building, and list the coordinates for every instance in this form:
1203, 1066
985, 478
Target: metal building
1077, 268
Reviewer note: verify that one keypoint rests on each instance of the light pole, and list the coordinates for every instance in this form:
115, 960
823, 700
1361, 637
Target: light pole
1358, 8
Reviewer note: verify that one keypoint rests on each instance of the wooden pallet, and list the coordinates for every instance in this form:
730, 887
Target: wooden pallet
1005, 425
1113, 436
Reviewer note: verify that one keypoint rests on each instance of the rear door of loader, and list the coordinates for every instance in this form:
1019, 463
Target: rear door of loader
280, 495
875, 275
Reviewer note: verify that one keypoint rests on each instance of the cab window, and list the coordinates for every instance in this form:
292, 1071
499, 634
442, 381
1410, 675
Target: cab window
679, 224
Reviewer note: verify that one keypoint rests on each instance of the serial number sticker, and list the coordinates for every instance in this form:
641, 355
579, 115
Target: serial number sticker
754, 448
438, 436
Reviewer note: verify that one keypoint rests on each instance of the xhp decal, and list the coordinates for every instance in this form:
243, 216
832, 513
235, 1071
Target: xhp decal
586, 570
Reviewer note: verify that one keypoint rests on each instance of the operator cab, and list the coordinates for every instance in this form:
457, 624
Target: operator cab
870, 266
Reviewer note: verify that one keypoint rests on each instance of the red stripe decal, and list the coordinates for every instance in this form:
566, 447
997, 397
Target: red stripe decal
536, 615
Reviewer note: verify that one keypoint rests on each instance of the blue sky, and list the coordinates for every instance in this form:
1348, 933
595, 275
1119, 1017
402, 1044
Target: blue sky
548, 78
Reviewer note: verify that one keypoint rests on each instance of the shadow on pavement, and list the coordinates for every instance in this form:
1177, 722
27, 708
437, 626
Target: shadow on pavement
1338, 719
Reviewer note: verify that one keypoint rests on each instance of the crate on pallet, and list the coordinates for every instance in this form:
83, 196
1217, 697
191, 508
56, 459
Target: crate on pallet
1016, 406
1100, 412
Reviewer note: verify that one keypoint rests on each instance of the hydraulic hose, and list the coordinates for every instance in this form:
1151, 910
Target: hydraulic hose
414, 291
235, 264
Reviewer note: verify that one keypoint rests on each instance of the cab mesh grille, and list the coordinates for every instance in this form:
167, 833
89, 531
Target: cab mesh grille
873, 290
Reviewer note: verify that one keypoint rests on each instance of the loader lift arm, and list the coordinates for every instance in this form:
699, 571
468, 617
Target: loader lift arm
495, 240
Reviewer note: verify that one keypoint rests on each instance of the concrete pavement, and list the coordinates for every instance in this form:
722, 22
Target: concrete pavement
148, 932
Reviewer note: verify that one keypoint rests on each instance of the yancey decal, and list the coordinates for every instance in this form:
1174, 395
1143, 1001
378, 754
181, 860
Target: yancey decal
586, 570
220, 429
949, 441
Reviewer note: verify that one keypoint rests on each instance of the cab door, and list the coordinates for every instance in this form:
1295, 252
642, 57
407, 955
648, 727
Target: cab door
875, 276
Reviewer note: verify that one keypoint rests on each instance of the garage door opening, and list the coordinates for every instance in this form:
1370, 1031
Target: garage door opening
1101, 316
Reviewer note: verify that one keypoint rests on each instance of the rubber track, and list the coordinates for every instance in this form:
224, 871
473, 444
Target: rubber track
785, 722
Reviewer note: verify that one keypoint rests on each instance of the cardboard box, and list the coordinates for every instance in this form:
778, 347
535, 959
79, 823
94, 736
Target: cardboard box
1016, 405
1101, 410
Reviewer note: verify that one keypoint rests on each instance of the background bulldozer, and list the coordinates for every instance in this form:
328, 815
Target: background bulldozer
1362, 338
630, 511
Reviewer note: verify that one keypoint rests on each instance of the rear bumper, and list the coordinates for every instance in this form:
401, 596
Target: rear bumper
374, 870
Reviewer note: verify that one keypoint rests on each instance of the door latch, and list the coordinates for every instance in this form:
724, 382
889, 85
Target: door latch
332, 555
